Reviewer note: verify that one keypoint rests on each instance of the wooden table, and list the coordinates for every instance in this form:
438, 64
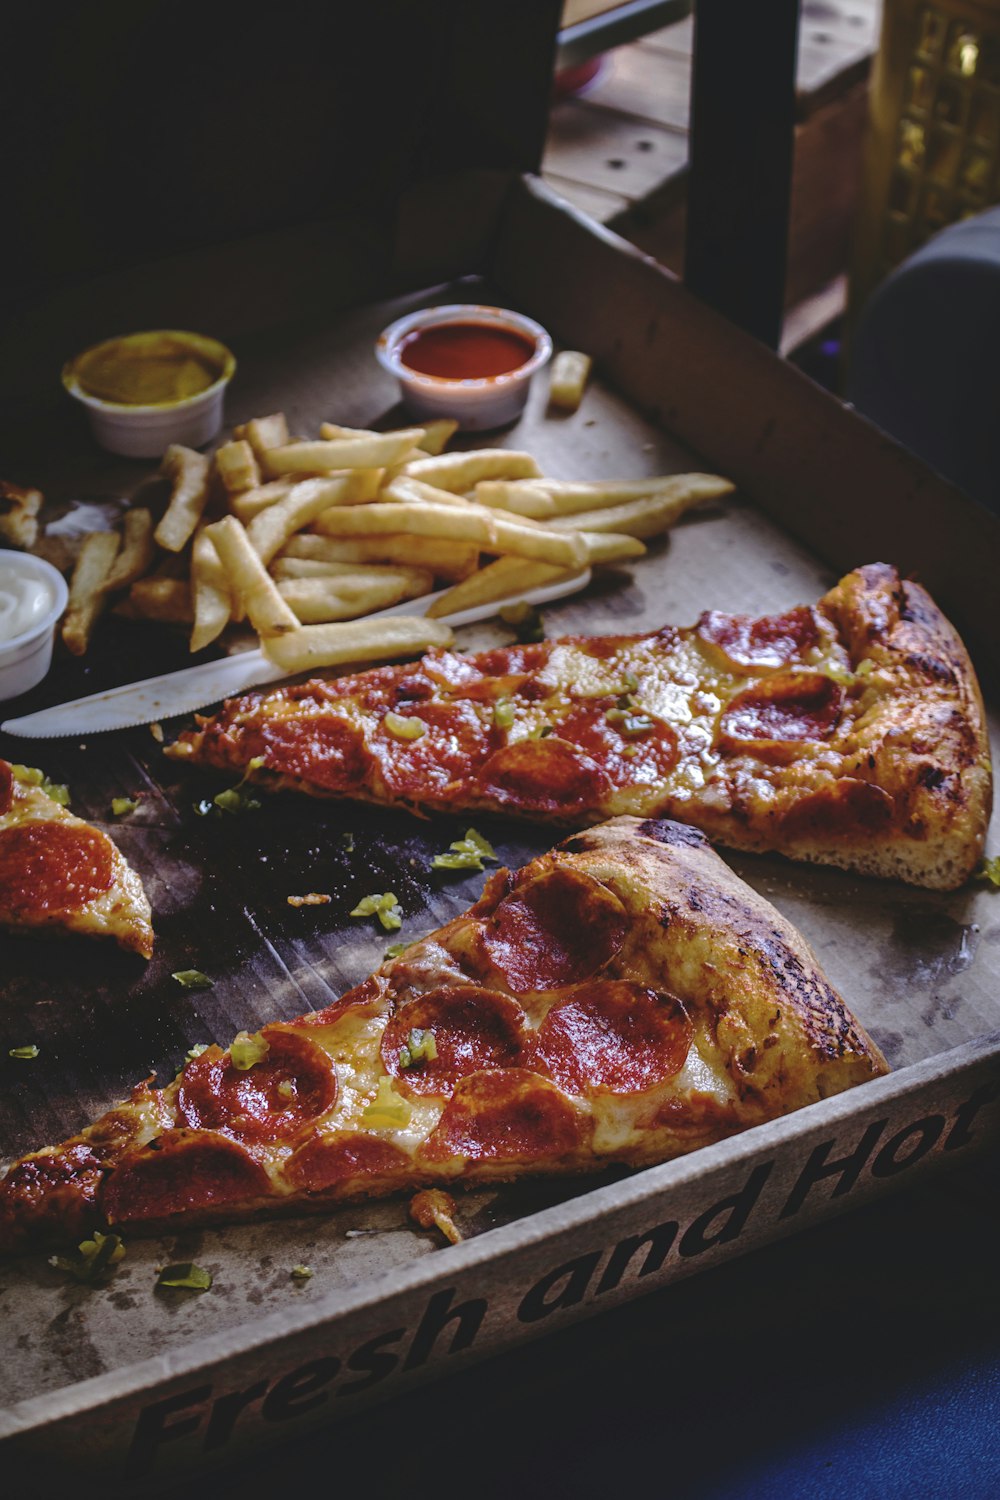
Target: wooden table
620, 151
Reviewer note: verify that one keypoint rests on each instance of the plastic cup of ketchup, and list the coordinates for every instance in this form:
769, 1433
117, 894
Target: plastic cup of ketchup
465, 360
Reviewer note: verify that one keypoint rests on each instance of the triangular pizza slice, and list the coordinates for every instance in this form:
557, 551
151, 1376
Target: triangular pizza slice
849, 733
60, 874
621, 1000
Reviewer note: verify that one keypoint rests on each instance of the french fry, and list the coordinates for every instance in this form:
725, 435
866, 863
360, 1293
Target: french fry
415, 491
393, 470
460, 471
236, 466
189, 473
436, 433
314, 646
611, 546
646, 517
523, 497
86, 592
332, 432
263, 433
164, 599
468, 523
137, 551
272, 528
570, 373
545, 498
210, 593
445, 559
346, 596
285, 568
357, 487
19, 515
342, 453
251, 502
269, 614
498, 580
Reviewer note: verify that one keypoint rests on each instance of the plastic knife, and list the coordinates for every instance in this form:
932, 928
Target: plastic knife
194, 687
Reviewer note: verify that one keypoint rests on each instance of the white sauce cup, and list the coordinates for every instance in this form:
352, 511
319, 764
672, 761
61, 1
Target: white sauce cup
25, 658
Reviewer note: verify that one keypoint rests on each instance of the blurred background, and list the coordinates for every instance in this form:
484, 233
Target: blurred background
788, 159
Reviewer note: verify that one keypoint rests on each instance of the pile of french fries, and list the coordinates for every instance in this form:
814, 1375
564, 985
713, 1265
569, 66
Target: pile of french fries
304, 538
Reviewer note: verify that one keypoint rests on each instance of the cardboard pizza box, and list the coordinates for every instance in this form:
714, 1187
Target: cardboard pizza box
131, 1387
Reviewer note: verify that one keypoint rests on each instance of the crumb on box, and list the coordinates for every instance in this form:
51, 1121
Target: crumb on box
314, 898
433, 1208
156, 730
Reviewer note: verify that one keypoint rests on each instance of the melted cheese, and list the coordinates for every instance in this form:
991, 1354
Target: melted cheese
700, 1075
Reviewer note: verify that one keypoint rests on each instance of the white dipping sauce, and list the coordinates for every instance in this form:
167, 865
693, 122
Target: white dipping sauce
25, 600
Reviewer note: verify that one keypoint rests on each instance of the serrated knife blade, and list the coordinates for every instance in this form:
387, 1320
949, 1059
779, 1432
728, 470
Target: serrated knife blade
190, 688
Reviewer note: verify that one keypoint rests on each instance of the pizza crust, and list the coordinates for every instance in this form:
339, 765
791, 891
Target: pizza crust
771, 1020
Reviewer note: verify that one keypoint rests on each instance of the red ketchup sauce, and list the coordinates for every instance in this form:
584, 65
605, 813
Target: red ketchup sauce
466, 351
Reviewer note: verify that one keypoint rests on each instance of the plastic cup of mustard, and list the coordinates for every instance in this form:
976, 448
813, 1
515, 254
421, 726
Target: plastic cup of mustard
145, 391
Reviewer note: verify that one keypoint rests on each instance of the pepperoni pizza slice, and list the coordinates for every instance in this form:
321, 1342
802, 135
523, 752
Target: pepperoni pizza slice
848, 733
58, 873
621, 1000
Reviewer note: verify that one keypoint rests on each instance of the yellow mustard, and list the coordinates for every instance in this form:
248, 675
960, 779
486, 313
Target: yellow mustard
149, 369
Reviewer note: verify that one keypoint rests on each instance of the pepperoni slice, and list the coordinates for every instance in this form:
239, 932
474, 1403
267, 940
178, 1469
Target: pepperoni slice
769, 641
366, 994
413, 687
52, 867
774, 718
269, 1101
554, 930
372, 688
454, 740
511, 661
324, 749
543, 776
511, 1115
473, 1029
182, 1172
6, 787
326, 1160
644, 759
846, 809
613, 1037
54, 1191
